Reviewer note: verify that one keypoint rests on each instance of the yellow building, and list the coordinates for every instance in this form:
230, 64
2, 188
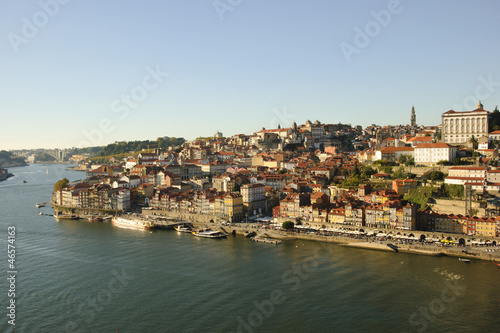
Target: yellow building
233, 206
336, 216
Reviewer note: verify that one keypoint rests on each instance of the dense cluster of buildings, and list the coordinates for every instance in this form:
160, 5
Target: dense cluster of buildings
294, 173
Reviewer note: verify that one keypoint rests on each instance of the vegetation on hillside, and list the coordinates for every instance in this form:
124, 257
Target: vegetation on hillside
494, 123
419, 196
7, 159
453, 191
128, 147
44, 157
60, 184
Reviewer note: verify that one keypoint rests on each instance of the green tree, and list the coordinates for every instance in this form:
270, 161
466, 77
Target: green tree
453, 191
355, 171
287, 225
494, 123
399, 173
60, 184
434, 175
367, 171
410, 161
473, 141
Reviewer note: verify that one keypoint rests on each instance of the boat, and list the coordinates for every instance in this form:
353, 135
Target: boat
464, 260
66, 217
94, 219
40, 205
24, 181
181, 228
209, 234
131, 223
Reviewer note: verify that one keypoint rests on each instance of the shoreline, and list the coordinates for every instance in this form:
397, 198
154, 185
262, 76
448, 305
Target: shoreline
417, 249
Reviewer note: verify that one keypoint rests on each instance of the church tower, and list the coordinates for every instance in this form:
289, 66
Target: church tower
413, 120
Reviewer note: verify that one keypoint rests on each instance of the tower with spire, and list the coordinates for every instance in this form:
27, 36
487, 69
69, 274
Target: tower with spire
413, 119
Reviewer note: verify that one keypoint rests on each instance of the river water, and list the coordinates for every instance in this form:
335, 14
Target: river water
77, 276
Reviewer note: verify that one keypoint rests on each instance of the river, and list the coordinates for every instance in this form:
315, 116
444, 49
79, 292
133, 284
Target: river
77, 276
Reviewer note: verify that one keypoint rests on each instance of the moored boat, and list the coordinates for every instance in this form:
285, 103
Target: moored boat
210, 234
464, 260
94, 219
66, 217
182, 228
131, 223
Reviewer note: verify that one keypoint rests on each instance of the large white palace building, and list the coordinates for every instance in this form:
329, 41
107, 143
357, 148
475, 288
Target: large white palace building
460, 126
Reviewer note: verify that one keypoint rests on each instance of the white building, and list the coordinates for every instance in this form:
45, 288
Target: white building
460, 175
393, 153
495, 135
431, 153
254, 198
460, 126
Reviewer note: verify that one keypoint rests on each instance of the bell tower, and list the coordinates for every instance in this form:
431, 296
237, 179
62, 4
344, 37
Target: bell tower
413, 119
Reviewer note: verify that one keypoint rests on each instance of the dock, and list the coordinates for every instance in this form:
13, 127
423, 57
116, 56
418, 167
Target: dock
264, 239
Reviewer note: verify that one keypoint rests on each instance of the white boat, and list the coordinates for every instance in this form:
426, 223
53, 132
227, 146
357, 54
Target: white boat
210, 234
464, 260
130, 223
181, 228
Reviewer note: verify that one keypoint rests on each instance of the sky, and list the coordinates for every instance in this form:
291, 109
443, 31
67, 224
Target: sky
77, 73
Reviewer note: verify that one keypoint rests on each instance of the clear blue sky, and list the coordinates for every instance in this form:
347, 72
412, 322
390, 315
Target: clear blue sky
252, 64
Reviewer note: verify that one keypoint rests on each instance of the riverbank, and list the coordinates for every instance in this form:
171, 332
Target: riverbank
5, 174
478, 253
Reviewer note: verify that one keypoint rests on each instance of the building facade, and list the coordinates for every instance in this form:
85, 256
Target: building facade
460, 126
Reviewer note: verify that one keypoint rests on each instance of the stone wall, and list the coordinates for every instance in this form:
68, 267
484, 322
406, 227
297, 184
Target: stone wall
445, 206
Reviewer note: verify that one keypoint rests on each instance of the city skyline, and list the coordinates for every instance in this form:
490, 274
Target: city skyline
187, 69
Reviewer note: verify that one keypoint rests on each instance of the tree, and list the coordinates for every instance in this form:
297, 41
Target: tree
494, 123
367, 171
454, 191
434, 175
355, 171
410, 161
473, 211
287, 225
345, 173
402, 159
473, 141
399, 173
60, 184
